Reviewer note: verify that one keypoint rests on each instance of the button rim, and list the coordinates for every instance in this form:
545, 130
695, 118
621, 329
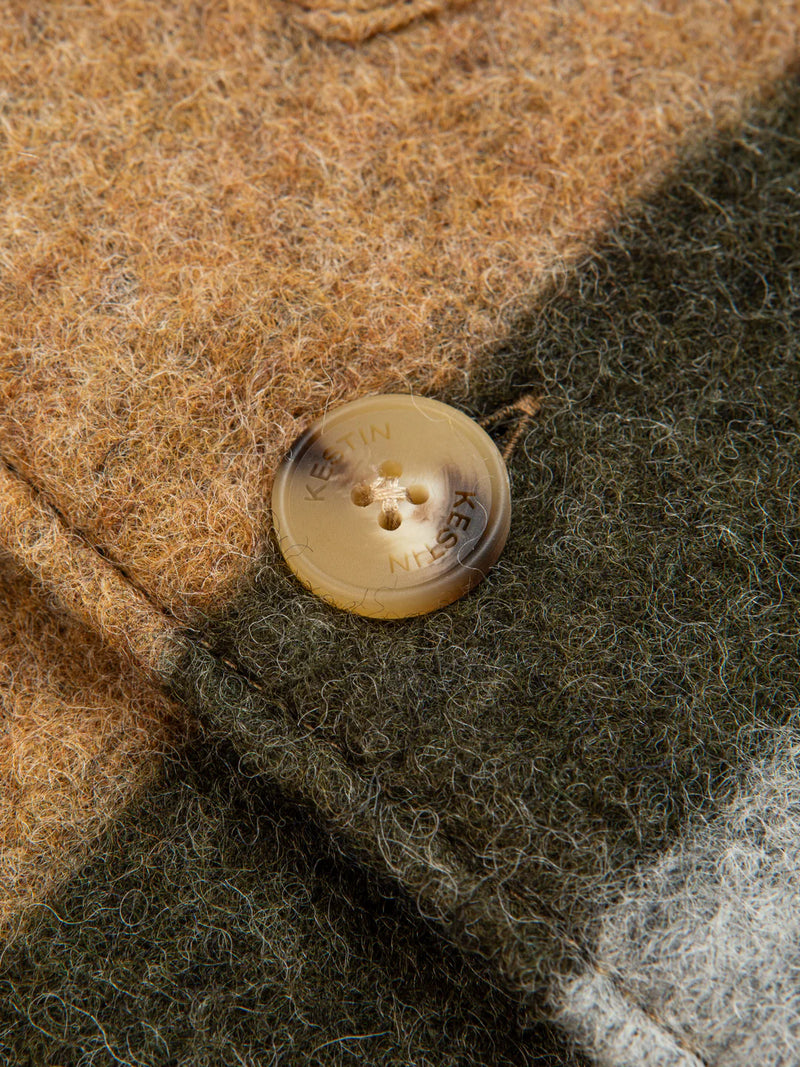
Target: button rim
376, 602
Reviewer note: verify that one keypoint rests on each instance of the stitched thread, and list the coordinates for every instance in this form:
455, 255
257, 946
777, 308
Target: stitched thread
363, 19
523, 411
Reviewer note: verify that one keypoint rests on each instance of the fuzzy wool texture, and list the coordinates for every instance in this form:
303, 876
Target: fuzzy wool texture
214, 224
80, 737
706, 938
214, 926
92, 590
618, 1032
512, 759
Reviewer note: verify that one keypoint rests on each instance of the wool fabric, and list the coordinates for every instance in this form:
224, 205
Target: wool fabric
568, 797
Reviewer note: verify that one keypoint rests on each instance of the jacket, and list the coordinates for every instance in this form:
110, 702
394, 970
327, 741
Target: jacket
554, 822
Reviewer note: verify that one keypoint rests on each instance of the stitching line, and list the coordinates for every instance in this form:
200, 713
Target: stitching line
47, 502
354, 26
616, 980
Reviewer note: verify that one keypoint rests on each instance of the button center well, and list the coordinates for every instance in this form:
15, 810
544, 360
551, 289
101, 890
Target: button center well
389, 493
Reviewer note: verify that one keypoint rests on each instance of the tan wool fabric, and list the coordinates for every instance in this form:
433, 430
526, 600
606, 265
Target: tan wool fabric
213, 224
80, 735
92, 590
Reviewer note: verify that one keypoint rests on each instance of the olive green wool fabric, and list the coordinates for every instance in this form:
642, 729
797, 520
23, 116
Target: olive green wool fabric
214, 926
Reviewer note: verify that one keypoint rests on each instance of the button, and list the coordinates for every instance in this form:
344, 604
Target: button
392, 506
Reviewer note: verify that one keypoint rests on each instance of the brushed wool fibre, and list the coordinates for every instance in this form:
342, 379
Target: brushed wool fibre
81, 735
213, 926
214, 224
511, 760
706, 938
511, 763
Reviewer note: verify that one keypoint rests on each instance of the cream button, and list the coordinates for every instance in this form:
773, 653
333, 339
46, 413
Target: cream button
392, 506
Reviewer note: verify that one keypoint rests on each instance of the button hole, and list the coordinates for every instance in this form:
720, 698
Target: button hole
389, 520
390, 469
361, 495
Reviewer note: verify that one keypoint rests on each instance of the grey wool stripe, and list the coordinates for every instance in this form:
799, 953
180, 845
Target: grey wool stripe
707, 940
612, 1029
